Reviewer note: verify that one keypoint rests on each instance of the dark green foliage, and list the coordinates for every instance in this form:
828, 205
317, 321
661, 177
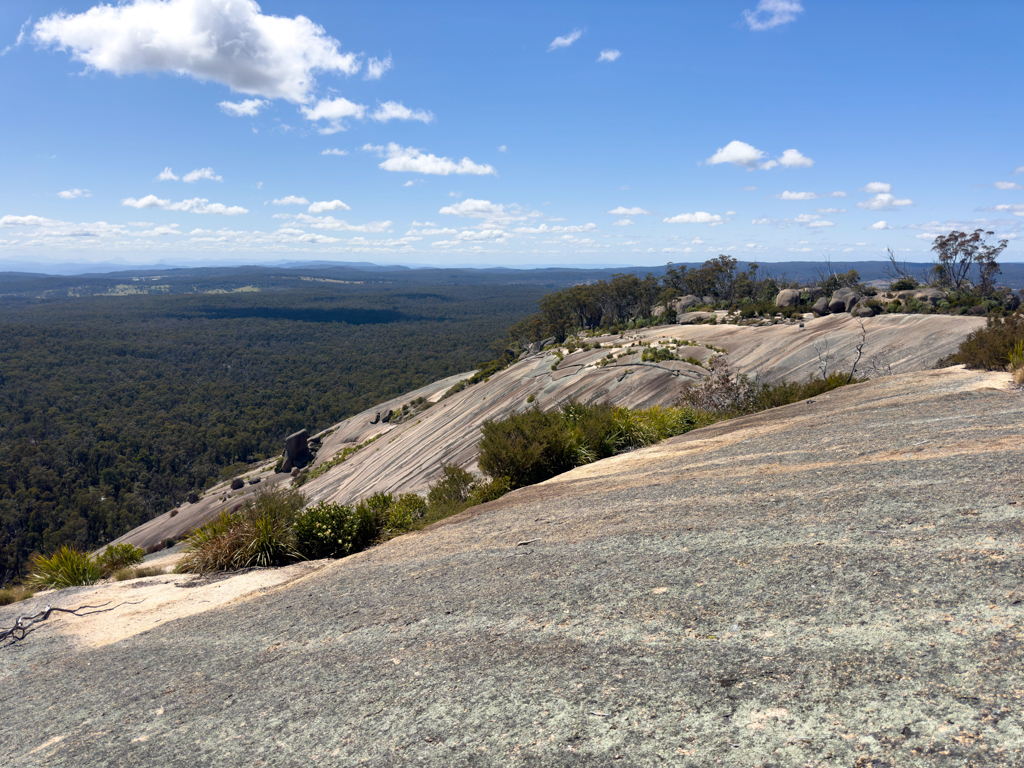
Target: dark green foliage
118, 556
657, 355
989, 348
903, 284
333, 530
66, 567
260, 534
452, 489
115, 407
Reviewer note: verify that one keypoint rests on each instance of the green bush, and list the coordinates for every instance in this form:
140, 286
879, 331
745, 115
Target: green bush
451, 490
903, 284
260, 534
118, 556
989, 348
657, 355
489, 491
333, 530
406, 511
65, 568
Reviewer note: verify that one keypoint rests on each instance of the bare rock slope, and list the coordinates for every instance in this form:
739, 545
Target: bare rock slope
836, 582
407, 455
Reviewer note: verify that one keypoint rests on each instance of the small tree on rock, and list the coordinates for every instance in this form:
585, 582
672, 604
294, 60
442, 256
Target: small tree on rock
958, 252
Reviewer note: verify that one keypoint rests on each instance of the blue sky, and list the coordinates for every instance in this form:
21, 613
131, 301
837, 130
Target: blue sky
505, 134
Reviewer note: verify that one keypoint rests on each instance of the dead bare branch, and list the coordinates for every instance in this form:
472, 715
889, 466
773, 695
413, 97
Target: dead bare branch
23, 624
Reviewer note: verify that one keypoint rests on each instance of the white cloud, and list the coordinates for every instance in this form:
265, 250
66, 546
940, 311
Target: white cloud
1006, 185
738, 153
609, 54
166, 175
475, 208
339, 152
880, 225
803, 218
837, 194
699, 217
1008, 207
19, 40
394, 110
27, 221
793, 158
407, 184
247, 108
772, 13
329, 222
228, 41
876, 188
623, 211
831, 210
566, 40
334, 111
328, 205
1020, 169
291, 200
195, 205
201, 173
375, 68
71, 194
883, 201
503, 148
821, 224
544, 228
787, 195
411, 160
621, 223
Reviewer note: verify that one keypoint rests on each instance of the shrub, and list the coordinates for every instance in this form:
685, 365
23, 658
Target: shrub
118, 556
489, 491
657, 355
65, 568
260, 534
451, 490
333, 530
903, 284
406, 511
125, 574
989, 348
14, 594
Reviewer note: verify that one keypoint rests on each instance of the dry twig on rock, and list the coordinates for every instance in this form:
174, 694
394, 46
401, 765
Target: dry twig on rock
23, 624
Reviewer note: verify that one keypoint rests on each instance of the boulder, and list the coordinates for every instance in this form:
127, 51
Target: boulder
930, 295
692, 318
844, 300
686, 302
709, 300
907, 294
658, 311
820, 307
296, 450
1011, 302
254, 480
788, 298
192, 497
295, 472
863, 310
237, 483
387, 417
537, 346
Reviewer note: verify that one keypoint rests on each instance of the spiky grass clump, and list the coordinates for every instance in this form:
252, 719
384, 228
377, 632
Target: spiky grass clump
65, 568
117, 557
260, 534
145, 572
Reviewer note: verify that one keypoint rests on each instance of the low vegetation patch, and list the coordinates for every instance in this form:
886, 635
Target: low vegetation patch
118, 557
66, 567
999, 346
15, 594
145, 572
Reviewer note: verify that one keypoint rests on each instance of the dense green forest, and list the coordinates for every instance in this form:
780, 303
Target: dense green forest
112, 408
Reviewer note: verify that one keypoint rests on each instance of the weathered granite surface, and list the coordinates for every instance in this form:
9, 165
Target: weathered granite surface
837, 582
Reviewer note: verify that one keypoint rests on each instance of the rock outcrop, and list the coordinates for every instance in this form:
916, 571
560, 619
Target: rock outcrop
788, 298
820, 308
844, 300
296, 451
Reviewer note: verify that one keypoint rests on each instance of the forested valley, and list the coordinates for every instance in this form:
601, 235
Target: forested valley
114, 407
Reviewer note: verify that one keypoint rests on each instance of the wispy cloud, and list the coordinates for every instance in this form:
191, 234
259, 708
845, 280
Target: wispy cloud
375, 68
291, 200
609, 54
195, 205
247, 108
19, 41
71, 194
566, 40
395, 110
623, 211
772, 13
339, 152
201, 173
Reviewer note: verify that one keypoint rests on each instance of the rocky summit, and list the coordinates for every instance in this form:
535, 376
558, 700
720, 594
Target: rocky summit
831, 583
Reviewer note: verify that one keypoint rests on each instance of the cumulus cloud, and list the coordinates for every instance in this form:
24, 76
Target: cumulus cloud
27, 221
395, 110
821, 224
375, 68
699, 217
623, 211
787, 195
339, 152
328, 205
880, 225
503, 148
201, 173
329, 222
793, 158
166, 175
750, 157
195, 205
882, 200
772, 13
228, 41
247, 108
411, 160
291, 200
71, 194
1006, 185
566, 40
738, 153
609, 54
475, 208
334, 111
621, 223
544, 228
